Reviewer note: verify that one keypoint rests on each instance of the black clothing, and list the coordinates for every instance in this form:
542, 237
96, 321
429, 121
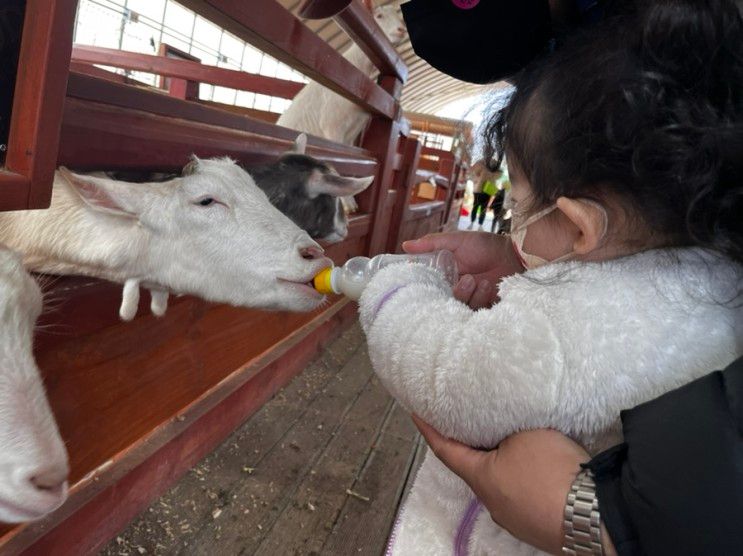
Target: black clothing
11, 24
481, 201
497, 207
675, 486
480, 41
483, 41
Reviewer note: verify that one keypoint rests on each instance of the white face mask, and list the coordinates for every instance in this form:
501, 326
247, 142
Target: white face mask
518, 235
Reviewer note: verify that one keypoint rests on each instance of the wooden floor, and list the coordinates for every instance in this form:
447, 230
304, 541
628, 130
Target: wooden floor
320, 469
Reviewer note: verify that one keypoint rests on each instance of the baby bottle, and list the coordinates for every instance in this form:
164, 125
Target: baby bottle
351, 278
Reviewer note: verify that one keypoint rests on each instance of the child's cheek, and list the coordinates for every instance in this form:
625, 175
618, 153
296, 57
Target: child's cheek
549, 238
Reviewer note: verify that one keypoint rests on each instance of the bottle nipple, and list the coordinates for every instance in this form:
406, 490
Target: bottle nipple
322, 281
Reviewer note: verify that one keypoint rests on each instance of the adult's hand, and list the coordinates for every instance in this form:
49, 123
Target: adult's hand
483, 260
523, 483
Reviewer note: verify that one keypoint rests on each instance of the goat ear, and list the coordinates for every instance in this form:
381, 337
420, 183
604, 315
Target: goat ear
191, 167
103, 194
300, 144
336, 186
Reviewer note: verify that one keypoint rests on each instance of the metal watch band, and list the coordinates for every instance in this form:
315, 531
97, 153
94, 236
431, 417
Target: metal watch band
582, 520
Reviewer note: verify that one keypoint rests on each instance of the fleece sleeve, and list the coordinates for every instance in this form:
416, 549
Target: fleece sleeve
459, 368
675, 486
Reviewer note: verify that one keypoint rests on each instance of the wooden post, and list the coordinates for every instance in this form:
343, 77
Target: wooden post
179, 88
446, 169
43, 66
381, 139
454, 184
404, 183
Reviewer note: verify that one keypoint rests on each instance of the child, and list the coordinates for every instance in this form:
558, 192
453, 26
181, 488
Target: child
625, 159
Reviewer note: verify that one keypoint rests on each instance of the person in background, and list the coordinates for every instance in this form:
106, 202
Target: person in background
503, 186
483, 188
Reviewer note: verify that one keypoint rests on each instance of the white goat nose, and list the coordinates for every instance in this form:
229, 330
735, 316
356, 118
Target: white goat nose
49, 478
311, 253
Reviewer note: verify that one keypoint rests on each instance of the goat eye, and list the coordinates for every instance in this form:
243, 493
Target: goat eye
205, 202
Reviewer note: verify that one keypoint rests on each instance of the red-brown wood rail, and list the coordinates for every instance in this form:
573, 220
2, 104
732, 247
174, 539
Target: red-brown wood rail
404, 181
85, 87
358, 22
187, 70
26, 180
280, 34
322, 9
179, 88
98, 136
381, 138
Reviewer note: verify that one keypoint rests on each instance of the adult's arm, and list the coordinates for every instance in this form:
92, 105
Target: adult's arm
675, 486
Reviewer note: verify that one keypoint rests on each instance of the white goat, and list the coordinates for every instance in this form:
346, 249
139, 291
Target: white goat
33, 459
211, 233
319, 111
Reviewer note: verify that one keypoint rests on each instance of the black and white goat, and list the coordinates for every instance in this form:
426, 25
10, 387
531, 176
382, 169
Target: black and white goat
309, 191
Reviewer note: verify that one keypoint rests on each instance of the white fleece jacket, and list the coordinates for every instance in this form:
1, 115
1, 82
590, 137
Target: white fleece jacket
568, 347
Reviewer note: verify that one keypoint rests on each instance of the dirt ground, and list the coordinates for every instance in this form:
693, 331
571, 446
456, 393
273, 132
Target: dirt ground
319, 469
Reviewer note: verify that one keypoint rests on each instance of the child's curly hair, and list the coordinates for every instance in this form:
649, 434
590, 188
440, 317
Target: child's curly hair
647, 107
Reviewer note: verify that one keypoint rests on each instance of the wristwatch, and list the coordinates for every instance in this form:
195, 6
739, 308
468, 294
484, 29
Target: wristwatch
582, 520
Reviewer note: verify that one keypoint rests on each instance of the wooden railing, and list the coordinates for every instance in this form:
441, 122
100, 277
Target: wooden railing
31, 151
273, 29
138, 403
415, 216
187, 70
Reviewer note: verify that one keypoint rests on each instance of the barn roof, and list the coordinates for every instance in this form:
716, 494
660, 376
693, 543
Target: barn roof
427, 90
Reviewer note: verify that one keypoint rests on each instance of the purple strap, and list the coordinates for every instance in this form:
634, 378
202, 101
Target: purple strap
393, 536
385, 298
466, 526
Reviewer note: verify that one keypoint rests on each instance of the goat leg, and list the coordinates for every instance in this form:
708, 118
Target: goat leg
129, 299
158, 302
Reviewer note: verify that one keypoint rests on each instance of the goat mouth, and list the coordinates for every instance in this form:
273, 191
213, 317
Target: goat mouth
305, 287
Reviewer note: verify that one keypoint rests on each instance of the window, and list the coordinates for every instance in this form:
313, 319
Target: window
142, 25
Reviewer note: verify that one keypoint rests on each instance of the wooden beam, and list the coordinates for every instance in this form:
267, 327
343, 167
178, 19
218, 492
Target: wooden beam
179, 88
381, 138
273, 29
358, 22
100, 136
13, 191
187, 70
439, 153
427, 123
404, 183
89, 88
37, 103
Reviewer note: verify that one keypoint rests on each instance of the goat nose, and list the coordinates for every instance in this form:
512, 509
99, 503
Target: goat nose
311, 253
49, 478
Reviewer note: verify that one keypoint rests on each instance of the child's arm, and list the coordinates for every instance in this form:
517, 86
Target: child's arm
457, 368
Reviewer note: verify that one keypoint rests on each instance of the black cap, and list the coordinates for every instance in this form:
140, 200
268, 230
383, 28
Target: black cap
479, 41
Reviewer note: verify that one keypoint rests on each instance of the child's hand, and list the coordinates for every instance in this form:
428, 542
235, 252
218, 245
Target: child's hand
483, 259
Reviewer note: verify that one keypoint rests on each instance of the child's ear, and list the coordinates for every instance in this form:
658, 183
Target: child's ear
591, 220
